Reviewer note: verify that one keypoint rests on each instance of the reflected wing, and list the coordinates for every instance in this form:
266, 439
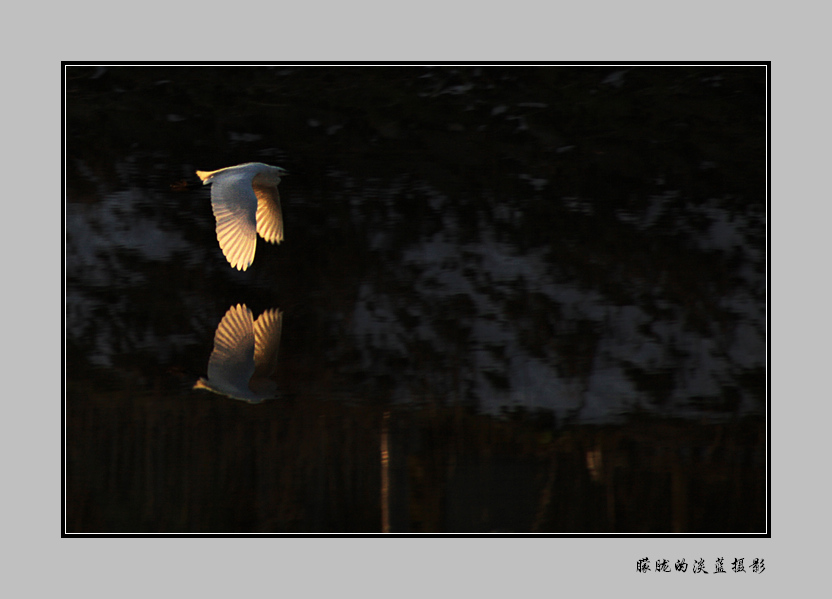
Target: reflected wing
267, 331
269, 214
235, 208
231, 364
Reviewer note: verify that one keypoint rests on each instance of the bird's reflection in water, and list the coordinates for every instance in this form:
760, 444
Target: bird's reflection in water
244, 356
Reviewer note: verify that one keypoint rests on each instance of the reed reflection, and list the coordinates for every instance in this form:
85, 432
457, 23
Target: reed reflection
244, 358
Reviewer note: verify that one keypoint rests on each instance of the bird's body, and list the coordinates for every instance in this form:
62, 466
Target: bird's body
245, 202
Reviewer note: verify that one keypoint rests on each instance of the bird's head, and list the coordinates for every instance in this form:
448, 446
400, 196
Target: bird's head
273, 174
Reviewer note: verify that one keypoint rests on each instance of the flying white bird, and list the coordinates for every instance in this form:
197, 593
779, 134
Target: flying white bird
245, 355
245, 202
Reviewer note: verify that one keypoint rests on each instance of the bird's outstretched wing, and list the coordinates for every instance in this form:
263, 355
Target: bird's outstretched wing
235, 208
267, 329
231, 364
269, 214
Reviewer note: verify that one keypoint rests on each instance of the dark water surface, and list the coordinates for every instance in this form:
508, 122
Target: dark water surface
511, 300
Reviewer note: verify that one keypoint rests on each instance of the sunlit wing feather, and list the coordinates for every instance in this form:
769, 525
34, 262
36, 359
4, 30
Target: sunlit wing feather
269, 214
235, 209
267, 329
231, 363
